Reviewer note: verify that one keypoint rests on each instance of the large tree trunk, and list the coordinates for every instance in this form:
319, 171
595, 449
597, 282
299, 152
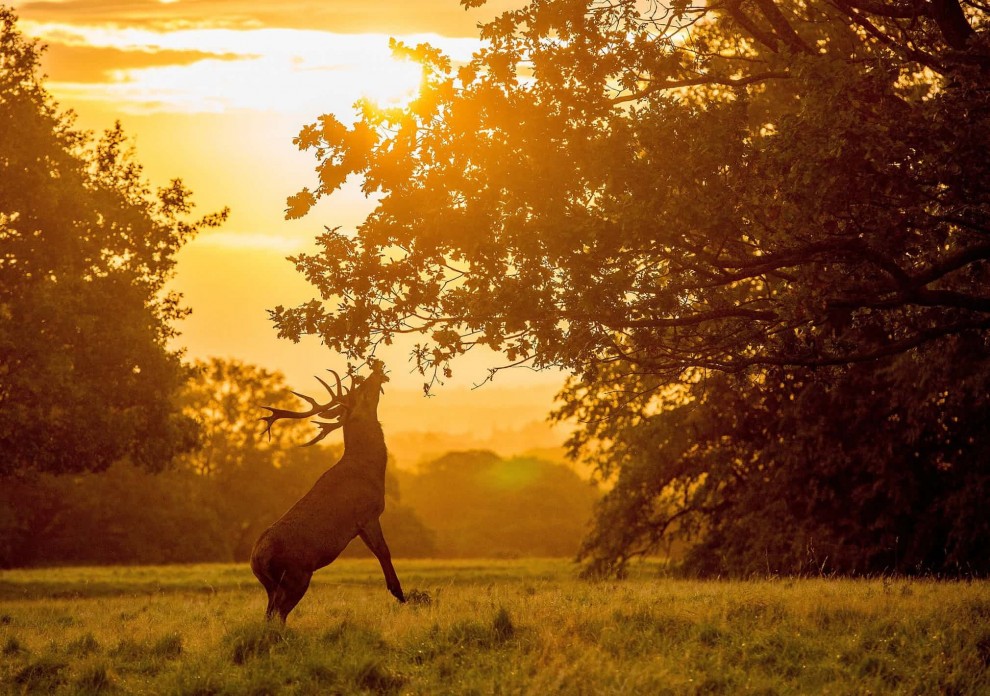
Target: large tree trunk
952, 22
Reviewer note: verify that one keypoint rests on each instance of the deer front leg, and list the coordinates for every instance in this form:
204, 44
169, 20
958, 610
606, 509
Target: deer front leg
371, 534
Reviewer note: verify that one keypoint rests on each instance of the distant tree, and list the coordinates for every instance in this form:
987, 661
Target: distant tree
225, 396
405, 527
123, 515
85, 250
253, 477
754, 232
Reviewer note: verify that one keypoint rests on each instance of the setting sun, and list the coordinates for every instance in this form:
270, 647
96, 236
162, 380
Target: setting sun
393, 82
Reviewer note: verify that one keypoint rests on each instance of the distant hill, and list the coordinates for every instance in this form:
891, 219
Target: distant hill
411, 449
480, 505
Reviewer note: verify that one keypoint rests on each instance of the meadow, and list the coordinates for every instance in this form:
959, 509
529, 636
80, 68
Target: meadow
487, 627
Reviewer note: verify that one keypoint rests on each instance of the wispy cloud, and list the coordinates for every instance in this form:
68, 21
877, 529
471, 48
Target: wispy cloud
442, 17
81, 63
306, 45
278, 70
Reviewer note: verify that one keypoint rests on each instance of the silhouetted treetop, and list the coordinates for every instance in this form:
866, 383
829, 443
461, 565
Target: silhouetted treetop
85, 250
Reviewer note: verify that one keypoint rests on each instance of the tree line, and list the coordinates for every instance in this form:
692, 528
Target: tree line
213, 502
127, 515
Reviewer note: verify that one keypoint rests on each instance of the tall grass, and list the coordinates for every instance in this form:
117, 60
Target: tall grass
487, 627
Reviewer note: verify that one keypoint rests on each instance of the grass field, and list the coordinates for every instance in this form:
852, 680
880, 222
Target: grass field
492, 627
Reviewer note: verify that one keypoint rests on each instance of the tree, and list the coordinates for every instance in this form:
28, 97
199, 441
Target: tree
123, 515
86, 378
785, 204
866, 469
225, 396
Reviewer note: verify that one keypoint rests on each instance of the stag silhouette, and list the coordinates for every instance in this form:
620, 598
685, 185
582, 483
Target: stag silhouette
345, 502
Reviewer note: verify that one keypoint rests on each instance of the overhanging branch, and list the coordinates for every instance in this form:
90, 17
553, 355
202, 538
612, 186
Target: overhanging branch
659, 86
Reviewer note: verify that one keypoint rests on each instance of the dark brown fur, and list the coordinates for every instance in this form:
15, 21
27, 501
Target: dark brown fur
344, 503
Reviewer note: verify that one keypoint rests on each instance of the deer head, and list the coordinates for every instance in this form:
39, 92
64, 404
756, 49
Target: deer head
361, 400
364, 397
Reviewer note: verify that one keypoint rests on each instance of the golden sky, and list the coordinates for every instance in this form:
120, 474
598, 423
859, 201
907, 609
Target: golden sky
213, 91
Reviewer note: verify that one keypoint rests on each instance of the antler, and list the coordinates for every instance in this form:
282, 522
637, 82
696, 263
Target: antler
334, 408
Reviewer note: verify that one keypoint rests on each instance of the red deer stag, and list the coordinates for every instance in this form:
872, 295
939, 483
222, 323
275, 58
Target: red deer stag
345, 502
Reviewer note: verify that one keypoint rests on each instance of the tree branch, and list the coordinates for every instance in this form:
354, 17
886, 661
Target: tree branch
914, 54
886, 351
907, 9
732, 7
952, 22
701, 80
692, 320
960, 259
781, 27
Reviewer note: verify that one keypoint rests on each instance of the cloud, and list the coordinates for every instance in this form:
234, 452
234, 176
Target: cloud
81, 63
306, 44
441, 17
200, 70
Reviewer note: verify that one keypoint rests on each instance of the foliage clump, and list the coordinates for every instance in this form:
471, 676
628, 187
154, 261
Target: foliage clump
43, 674
86, 644
95, 679
169, 646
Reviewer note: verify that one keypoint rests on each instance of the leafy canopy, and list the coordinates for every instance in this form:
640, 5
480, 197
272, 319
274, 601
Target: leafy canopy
710, 187
751, 216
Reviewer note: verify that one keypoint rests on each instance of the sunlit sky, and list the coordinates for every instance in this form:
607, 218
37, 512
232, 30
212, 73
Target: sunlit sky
213, 91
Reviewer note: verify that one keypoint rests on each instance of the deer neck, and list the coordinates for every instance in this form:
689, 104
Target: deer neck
364, 445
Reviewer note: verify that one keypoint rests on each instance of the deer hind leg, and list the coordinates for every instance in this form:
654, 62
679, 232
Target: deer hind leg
284, 597
371, 534
267, 581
